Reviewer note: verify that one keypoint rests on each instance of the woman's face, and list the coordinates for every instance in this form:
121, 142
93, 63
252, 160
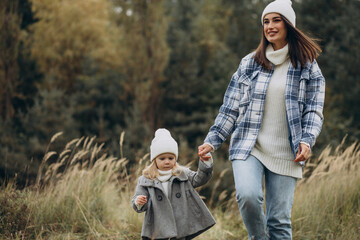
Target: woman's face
165, 161
275, 30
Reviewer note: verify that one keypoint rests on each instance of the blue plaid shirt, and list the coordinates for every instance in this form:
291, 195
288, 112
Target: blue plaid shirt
243, 107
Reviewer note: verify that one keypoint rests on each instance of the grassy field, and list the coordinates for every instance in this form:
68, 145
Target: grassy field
83, 193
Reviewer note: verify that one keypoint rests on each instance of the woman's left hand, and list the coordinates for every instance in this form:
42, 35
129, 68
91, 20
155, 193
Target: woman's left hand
303, 153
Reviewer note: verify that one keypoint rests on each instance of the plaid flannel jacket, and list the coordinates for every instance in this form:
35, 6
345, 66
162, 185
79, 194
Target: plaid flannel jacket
243, 107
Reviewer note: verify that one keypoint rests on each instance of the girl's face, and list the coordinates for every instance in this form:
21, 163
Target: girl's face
165, 161
275, 30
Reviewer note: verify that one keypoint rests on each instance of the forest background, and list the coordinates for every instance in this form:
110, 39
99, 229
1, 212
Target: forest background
85, 83
103, 68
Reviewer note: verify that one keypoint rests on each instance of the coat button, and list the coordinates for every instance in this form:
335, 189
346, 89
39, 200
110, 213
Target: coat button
159, 197
178, 195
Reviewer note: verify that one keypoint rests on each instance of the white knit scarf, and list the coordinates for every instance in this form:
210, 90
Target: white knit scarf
164, 175
279, 56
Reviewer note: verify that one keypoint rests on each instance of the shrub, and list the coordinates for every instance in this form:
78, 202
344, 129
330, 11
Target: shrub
14, 213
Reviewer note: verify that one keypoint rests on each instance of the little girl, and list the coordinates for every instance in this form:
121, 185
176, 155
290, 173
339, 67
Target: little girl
165, 192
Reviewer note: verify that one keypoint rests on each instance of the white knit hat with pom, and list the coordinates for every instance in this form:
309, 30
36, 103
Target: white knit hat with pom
282, 7
163, 143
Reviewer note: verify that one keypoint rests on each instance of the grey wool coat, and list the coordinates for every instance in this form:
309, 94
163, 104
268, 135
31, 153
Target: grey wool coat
182, 214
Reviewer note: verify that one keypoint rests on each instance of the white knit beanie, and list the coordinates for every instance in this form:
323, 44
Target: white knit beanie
163, 143
282, 7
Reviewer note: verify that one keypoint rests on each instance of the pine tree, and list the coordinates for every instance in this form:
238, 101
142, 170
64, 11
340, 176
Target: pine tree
199, 69
335, 23
145, 25
10, 37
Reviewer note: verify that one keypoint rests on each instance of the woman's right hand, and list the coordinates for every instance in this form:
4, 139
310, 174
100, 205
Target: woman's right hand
203, 151
141, 200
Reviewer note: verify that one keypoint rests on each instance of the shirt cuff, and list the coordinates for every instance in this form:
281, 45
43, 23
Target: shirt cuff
307, 144
212, 146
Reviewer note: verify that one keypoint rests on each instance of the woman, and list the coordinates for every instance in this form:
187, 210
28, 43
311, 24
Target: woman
273, 109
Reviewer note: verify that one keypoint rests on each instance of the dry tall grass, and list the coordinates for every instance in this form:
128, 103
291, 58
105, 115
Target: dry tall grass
327, 204
82, 193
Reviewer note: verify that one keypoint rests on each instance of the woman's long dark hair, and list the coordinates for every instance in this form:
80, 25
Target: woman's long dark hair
301, 47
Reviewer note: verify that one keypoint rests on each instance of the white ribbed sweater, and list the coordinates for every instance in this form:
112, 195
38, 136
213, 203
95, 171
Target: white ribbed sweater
272, 146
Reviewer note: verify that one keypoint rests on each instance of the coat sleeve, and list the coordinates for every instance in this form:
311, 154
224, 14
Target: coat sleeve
140, 190
202, 175
312, 117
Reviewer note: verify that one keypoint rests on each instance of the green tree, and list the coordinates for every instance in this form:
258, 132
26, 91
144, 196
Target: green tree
17, 89
336, 24
29, 75
10, 37
68, 32
145, 26
199, 69
244, 25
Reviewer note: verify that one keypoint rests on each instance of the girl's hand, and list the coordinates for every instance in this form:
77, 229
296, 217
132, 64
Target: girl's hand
203, 151
141, 200
303, 153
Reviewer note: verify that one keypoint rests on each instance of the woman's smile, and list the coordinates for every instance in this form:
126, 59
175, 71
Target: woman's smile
271, 33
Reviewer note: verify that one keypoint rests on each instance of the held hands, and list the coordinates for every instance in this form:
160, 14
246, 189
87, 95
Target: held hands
203, 151
303, 153
141, 200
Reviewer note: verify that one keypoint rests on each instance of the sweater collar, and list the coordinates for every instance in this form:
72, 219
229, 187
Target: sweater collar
164, 175
279, 56
154, 183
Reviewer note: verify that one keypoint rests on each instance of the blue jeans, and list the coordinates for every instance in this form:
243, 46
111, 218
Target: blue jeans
279, 190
